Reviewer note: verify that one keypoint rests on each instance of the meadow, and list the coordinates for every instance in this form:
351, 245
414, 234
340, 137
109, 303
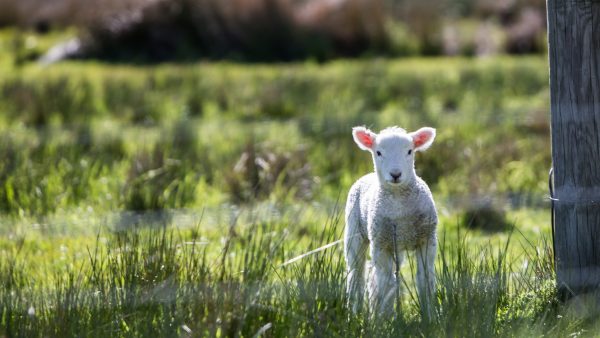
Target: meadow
169, 199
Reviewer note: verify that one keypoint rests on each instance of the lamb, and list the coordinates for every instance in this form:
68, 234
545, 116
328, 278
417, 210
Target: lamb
391, 209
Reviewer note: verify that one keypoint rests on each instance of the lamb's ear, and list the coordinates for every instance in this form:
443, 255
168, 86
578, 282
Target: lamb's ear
423, 138
364, 138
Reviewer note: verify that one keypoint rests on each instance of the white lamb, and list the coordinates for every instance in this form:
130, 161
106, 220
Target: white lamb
391, 202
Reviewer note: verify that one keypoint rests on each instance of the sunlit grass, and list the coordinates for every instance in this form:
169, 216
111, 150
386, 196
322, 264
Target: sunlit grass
163, 200
235, 285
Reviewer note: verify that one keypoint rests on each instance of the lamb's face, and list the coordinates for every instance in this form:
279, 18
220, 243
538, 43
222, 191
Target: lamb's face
393, 151
393, 157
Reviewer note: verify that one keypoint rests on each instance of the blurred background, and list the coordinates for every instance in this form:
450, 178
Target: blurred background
154, 105
282, 30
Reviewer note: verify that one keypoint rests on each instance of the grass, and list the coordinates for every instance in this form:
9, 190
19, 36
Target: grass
117, 123
163, 200
171, 282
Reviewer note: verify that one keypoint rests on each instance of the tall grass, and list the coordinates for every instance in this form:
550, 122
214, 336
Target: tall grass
168, 282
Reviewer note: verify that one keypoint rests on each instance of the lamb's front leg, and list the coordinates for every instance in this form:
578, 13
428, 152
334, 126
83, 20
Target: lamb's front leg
426, 275
355, 252
382, 283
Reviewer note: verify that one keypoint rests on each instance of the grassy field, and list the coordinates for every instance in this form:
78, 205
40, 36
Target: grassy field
165, 200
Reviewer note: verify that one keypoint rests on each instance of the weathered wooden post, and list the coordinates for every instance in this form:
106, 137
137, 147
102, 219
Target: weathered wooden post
574, 54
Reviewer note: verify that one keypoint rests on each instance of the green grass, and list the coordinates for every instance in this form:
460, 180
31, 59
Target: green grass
89, 122
163, 200
168, 282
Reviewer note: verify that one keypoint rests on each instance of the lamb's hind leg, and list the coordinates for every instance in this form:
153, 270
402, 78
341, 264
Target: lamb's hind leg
426, 275
355, 251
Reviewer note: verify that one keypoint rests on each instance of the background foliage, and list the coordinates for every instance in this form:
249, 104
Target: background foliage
267, 30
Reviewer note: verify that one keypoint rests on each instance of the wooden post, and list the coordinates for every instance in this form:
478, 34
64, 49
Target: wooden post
574, 54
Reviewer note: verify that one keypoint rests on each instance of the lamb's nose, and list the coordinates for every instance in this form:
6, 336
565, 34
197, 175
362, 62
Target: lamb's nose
395, 175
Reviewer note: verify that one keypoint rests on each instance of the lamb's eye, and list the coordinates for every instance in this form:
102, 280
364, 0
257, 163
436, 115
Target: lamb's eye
409, 151
378, 153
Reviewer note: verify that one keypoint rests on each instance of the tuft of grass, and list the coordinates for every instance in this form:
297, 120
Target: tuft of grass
486, 215
260, 172
156, 182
